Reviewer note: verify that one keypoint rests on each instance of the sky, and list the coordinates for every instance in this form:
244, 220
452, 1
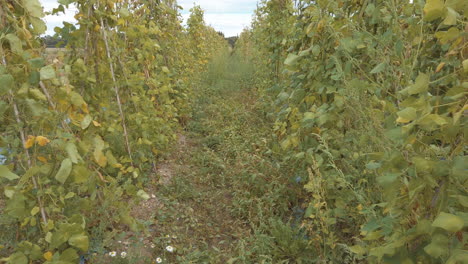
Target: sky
227, 16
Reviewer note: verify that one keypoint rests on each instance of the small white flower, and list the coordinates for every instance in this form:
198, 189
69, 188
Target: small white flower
167, 236
174, 237
170, 249
153, 196
112, 253
120, 242
158, 260
123, 254
153, 245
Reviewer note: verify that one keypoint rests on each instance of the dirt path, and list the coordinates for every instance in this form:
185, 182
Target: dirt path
215, 197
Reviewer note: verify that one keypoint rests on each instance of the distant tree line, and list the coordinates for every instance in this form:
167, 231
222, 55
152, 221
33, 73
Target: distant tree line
53, 41
57, 42
232, 40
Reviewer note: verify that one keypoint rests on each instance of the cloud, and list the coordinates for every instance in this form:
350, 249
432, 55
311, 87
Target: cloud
220, 6
227, 16
53, 21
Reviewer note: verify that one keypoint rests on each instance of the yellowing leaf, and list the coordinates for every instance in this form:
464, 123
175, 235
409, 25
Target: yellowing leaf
99, 156
37, 94
34, 211
42, 141
48, 256
30, 142
449, 222
402, 120
440, 67
96, 123
42, 159
433, 10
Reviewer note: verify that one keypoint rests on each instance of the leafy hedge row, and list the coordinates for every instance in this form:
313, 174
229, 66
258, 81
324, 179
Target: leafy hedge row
370, 104
83, 131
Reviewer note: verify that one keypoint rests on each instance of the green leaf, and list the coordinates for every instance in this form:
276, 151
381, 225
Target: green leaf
432, 122
142, 194
36, 63
79, 241
33, 251
462, 199
449, 222
35, 107
451, 18
76, 99
379, 68
438, 246
38, 25
72, 152
433, 10
465, 66
65, 2
387, 179
458, 5
47, 72
292, 59
420, 85
358, 249
58, 238
64, 171
458, 256
17, 258
15, 43
6, 83
408, 114
447, 36
124, 12
86, 122
16, 206
111, 159
9, 192
34, 211
33, 7
422, 164
37, 94
69, 256
3, 108
6, 173
98, 154
80, 174
373, 165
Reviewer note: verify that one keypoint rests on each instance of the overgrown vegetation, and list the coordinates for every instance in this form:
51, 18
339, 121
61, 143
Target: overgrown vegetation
333, 132
369, 102
82, 133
